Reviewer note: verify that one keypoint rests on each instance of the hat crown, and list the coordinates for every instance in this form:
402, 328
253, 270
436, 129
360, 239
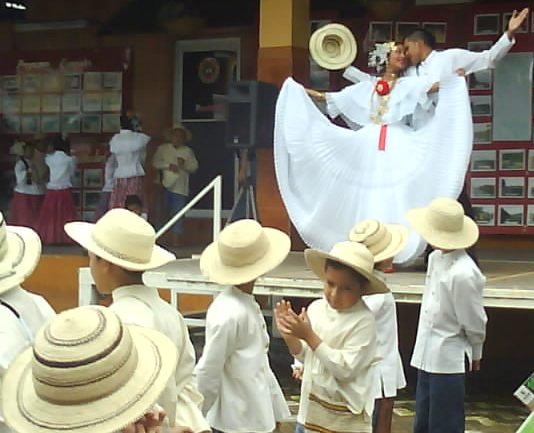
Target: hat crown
242, 243
446, 214
125, 235
354, 254
86, 349
373, 234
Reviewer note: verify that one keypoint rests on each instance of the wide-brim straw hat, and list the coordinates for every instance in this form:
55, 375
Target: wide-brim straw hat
384, 241
243, 252
333, 46
87, 372
353, 255
177, 126
443, 225
20, 251
122, 238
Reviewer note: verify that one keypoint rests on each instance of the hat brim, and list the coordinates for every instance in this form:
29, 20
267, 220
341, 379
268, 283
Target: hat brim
316, 262
342, 60
26, 412
399, 238
81, 233
213, 268
462, 239
23, 252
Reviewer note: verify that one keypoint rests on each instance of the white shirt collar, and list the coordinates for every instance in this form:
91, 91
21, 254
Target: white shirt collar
138, 290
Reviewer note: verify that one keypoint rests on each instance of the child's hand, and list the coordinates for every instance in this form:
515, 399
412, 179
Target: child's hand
296, 325
297, 373
280, 310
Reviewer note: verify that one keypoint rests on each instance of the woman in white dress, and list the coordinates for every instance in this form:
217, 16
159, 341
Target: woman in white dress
331, 177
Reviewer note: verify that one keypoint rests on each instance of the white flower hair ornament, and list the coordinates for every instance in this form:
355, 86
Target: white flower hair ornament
379, 56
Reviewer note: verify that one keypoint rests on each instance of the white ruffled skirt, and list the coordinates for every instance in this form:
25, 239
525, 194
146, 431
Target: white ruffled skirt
332, 177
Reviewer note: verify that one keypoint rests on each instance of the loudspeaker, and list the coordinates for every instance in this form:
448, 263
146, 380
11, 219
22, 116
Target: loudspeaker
250, 121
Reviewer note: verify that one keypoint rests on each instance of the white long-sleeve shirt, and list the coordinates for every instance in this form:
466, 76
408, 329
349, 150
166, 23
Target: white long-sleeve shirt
390, 373
109, 173
129, 148
62, 168
21, 179
341, 368
141, 305
167, 154
452, 321
241, 393
18, 333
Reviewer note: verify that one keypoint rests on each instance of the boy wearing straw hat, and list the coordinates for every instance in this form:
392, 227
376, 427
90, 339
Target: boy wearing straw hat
21, 313
384, 241
121, 247
241, 393
88, 372
452, 321
336, 340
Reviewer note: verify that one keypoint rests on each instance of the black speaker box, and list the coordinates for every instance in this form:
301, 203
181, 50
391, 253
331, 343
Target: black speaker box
250, 121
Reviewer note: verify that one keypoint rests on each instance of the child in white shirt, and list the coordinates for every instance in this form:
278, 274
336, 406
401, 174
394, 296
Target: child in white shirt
241, 393
336, 339
452, 321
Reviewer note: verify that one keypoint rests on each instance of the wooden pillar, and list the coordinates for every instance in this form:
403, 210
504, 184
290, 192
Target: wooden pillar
283, 52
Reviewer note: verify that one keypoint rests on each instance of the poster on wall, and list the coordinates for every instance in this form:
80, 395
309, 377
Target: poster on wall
31, 83
111, 123
31, 104
11, 124
92, 123
92, 81
511, 215
483, 187
50, 123
511, 187
112, 80
51, 104
487, 24
484, 215
30, 124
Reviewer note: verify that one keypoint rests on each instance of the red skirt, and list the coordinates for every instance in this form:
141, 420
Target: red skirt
124, 187
57, 210
24, 209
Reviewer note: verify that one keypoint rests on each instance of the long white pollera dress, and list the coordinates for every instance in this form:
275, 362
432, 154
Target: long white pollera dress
332, 177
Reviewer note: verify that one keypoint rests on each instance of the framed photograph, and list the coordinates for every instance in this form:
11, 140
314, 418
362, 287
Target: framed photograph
31, 83
480, 80
92, 123
77, 199
11, 124
403, 29
487, 24
72, 82
479, 46
482, 133
484, 160
530, 192
439, 30
11, 83
111, 123
71, 103
484, 215
112, 101
93, 178
506, 18
30, 124
481, 105
511, 215
70, 123
51, 103
112, 80
380, 31
92, 102
31, 104
512, 159
92, 81
531, 160
483, 187
51, 82
77, 180
90, 199
511, 187
50, 123
530, 215
11, 103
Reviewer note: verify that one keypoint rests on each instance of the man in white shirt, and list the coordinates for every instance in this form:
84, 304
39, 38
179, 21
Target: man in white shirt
121, 247
452, 321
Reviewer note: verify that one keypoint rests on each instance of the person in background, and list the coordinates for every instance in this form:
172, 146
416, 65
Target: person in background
58, 205
22, 313
177, 162
134, 204
105, 195
129, 148
40, 143
29, 189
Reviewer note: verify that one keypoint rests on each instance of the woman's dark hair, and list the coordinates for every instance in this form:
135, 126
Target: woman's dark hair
126, 123
329, 263
132, 199
422, 35
60, 143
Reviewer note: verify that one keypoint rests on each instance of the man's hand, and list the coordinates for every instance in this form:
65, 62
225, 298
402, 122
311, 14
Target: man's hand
515, 22
475, 365
151, 422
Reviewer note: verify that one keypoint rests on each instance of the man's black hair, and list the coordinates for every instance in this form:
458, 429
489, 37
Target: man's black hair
422, 35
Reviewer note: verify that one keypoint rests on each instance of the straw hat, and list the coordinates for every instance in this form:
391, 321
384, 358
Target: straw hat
443, 224
352, 254
87, 372
20, 250
243, 252
122, 238
384, 241
333, 46
180, 127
